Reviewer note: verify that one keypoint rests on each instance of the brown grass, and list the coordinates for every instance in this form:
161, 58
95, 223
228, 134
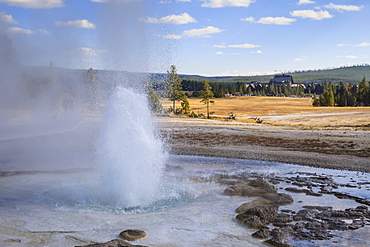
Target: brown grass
282, 111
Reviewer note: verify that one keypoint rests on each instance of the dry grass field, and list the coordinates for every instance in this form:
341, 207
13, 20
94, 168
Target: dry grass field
288, 111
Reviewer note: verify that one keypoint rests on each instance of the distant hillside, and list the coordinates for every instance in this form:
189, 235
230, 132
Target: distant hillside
352, 74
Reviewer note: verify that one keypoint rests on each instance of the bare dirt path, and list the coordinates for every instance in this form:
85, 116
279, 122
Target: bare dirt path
346, 148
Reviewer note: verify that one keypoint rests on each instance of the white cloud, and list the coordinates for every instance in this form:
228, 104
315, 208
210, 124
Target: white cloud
20, 30
181, 19
183, 0
76, 24
245, 46
305, 2
350, 56
250, 19
114, 1
256, 52
219, 53
7, 18
271, 20
34, 4
43, 31
202, 32
226, 3
316, 15
343, 7
363, 44
89, 52
300, 59
172, 36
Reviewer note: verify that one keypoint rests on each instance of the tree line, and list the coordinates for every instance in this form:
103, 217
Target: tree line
344, 94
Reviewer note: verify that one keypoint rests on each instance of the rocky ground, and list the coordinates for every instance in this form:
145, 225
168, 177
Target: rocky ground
279, 227
346, 148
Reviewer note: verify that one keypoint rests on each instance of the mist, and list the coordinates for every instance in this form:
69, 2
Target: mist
51, 107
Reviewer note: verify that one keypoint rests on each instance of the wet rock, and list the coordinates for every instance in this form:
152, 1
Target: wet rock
279, 198
310, 231
112, 243
308, 192
256, 187
262, 233
235, 190
320, 208
280, 236
296, 190
258, 202
282, 219
263, 184
132, 235
306, 214
258, 216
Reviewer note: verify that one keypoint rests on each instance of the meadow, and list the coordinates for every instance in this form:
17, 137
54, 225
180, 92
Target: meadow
291, 111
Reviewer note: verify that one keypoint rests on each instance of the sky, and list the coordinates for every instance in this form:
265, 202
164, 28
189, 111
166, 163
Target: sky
203, 37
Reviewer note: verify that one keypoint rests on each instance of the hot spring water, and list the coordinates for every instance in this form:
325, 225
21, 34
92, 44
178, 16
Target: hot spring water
131, 157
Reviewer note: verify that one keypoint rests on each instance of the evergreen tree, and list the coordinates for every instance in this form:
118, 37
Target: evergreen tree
322, 100
185, 105
329, 97
206, 95
153, 99
174, 87
315, 100
362, 96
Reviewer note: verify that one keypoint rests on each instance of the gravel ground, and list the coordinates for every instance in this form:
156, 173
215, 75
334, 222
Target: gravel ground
345, 148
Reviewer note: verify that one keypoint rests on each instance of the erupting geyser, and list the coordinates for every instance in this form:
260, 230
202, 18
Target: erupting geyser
130, 153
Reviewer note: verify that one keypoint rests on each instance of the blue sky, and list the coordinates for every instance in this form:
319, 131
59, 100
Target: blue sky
205, 37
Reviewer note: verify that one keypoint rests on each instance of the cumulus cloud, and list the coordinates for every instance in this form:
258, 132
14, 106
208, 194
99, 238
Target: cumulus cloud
76, 24
271, 20
219, 53
363, 44
343, 7
352, 57
20, 30
181, 19
7, 18
245, 46
172, 36
226, 3
202, 32
256, 52
305, 2
300, 59
316, 15
114, 1
34, 4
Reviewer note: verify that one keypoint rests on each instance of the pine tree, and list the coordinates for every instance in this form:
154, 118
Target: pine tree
315, 100
153, 99
206, 95
329, 97
362, 96
174, 87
